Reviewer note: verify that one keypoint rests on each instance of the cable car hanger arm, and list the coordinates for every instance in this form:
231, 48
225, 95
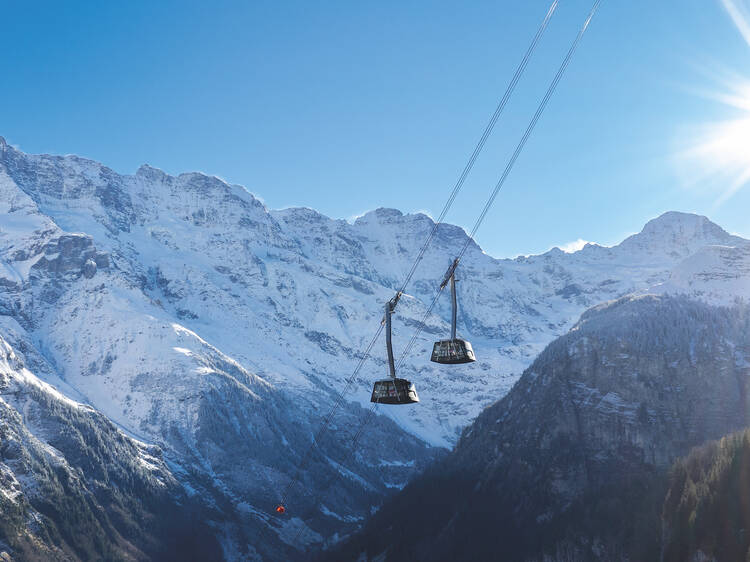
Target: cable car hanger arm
450, 272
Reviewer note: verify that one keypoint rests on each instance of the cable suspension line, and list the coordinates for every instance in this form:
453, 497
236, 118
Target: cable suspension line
482, 140
519, 148
498, 186
454, 193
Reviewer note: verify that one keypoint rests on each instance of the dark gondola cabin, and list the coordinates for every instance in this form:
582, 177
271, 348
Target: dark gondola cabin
452, 352
394, 391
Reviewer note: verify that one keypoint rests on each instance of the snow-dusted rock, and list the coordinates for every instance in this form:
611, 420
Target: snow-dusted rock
225, 332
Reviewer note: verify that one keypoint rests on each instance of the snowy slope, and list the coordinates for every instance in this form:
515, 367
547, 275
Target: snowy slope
197, 319
716, 274
112, 319
73, 486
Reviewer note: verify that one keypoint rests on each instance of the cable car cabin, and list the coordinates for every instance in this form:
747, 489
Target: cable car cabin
394, 391
452, 352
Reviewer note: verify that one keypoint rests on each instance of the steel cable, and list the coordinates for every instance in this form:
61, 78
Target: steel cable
454, 193
519, 148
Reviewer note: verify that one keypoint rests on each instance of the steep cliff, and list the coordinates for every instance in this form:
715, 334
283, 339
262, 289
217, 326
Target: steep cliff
572, 462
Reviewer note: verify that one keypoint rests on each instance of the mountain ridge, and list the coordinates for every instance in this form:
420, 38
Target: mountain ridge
187, 312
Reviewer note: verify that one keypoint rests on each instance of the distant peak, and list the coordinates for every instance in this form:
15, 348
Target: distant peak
679, 234
2, 141
677, 217
687, 223
385, 212
380, 214
203, 180
303, 213
147, 167
149, 171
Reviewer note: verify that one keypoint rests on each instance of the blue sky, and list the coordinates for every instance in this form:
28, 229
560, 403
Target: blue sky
348, 106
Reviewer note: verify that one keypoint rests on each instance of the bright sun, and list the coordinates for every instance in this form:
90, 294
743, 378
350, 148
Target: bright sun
722, 149
724, 152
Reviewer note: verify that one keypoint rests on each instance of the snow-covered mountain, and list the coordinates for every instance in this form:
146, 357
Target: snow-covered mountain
73, 486
201, 322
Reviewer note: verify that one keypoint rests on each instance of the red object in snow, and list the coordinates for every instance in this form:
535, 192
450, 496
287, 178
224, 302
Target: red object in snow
280, 509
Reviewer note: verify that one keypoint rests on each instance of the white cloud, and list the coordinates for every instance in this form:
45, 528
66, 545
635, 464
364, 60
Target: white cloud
352, 219
574, 246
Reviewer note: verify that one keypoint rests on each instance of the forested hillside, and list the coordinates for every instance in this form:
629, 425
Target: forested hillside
707, 508
572, 464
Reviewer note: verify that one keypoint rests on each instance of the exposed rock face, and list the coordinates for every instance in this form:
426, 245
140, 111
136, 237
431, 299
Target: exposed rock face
68, 254
574, 453
89, 268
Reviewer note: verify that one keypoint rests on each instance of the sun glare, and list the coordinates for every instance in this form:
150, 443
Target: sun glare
718, 154
724, 154
740, 15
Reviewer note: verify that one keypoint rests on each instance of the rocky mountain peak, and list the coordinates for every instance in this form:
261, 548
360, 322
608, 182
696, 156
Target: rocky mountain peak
678, 235
415, 225
688, 224
300, 215
148, 172
379, 215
